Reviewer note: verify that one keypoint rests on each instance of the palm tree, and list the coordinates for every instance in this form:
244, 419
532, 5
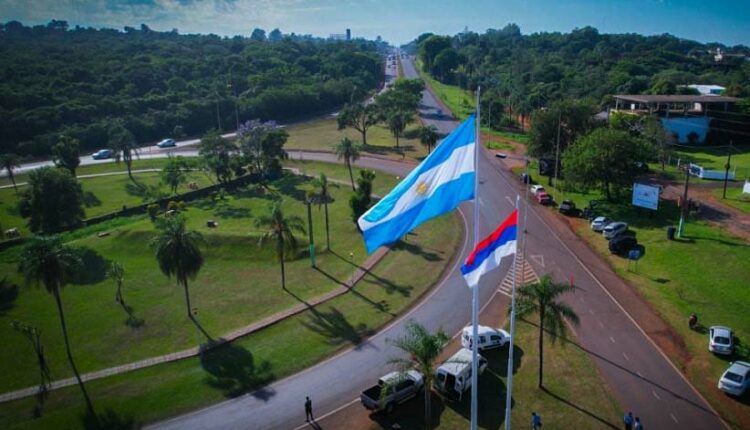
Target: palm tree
423, 349
428, 136
540, 298
349, 151
117, 273
178, 253
9, 162
281, 229
122, 142
324, 197
45, 260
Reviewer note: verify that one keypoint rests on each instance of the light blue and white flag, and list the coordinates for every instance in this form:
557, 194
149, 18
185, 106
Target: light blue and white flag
436, 186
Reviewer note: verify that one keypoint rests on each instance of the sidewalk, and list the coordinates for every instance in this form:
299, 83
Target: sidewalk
371, 262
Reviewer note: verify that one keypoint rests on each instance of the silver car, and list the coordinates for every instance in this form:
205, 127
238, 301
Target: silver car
736, 379
720, 340
599, 223
613, 229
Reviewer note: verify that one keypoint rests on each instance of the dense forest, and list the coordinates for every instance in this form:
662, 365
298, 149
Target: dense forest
82, 82
525, 72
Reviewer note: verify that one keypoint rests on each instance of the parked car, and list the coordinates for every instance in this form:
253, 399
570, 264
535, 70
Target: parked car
720, 340
599, 223
501, 155
167, 143
613, 229
567, 207
399, 387
453, 377
102, 154
736, 379
535, 189
525, 178
488, 337
543, 198
622, 244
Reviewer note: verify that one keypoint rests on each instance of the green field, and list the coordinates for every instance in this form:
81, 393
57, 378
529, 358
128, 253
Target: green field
251, 362
735, 198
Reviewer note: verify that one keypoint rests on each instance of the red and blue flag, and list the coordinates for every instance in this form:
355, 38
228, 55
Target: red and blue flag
488, 253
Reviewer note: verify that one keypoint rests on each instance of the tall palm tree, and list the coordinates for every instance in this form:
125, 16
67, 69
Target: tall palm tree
323, 198
428, 136
541, 298
116, 272
9, 162
45, 260
349, 152
178, 252
280, 229
122, 142
423, 349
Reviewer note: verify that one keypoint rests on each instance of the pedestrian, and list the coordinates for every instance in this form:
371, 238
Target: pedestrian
308, 410
628, 420
638, 425
536, 421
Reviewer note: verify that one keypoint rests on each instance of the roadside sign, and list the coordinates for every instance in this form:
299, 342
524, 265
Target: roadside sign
645, 196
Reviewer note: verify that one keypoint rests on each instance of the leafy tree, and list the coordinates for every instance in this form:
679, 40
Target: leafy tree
258, 35
428, 136
445, 63
53, 200
349, 152
173, 172
605, 158
423, 349
281, 229
122, 142
574, 118
275, 35
262, 146
360, 201
116, 272
398, 108
10, 162
216, 153
542, 298
47, 261
429, 49
178, 252
65, 154
359, 116
411, 86
397, 122
323, 197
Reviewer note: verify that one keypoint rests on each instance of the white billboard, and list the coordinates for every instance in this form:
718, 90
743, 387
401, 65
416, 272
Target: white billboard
645, 196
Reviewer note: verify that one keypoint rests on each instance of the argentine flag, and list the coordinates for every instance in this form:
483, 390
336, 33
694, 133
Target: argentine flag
436, 186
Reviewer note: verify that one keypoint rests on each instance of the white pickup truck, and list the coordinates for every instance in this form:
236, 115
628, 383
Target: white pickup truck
392, 389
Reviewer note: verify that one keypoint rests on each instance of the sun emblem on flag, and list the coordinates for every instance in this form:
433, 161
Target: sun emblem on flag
422, 188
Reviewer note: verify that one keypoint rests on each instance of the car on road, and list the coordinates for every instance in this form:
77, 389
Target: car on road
543, 198
453, 377
167, 143
392, 389
736, 379
525, 178
613, 229
535, 189
501, 155
103, 154
489, 337
720, 340
622, 244
567, 207
599, 223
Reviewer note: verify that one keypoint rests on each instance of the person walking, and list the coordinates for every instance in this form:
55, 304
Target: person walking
628, 421
536, 421
638, 425
308, 410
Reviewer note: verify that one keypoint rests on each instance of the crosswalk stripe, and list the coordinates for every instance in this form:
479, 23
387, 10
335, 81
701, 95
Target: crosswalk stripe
526, 276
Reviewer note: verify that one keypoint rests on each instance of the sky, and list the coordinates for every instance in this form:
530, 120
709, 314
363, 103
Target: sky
399, 21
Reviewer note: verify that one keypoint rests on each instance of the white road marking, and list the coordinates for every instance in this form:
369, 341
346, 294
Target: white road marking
581, 299
510, 201
655, 395
591, 312
324, 416
538, 259
612, 339
674, 418
639, 374
626, 356
600, 324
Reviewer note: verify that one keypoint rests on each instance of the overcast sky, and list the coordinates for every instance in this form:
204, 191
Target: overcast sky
399, 21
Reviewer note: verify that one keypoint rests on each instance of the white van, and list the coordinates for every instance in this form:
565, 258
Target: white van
488, 337
453, 377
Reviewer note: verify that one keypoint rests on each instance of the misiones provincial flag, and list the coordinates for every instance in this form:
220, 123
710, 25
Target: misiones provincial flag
436, 186
488, 253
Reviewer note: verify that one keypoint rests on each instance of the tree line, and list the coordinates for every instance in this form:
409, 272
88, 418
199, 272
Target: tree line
85, 82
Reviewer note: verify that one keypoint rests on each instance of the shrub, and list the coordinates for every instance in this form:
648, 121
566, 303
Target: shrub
152, 210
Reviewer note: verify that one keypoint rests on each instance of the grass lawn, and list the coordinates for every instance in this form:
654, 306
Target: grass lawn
735, 198
322, 135
575, 396
706, 273
249, 363
238, 284
709, 158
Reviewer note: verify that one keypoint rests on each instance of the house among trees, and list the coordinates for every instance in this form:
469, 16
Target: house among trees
692, 119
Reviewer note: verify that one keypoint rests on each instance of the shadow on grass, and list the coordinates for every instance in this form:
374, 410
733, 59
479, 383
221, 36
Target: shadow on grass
8, 295
109, 420
416, 250
289, 186
372, 278
602, 422
94, 267
200, 327
232, 212
132, 321
410, 414
90, 199
381, 306
334, 326
234, 370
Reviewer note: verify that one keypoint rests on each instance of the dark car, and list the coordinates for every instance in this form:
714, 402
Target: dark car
525, 178
622, 244
567, 207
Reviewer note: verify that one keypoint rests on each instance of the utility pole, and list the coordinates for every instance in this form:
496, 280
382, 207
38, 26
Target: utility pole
557, 146
684, 212
726, 172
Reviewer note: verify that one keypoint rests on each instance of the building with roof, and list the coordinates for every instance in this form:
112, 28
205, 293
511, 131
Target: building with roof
707, 90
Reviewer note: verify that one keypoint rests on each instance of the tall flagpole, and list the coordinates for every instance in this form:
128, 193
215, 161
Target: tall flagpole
509, 385
475, 289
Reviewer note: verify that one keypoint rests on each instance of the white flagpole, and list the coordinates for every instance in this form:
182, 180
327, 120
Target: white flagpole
509, 385
475, 289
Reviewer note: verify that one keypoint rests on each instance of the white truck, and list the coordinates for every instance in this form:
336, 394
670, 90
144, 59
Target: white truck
392, 389
453, 377
488, 337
